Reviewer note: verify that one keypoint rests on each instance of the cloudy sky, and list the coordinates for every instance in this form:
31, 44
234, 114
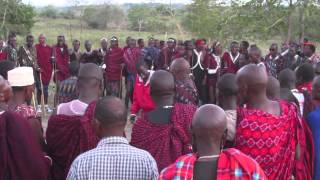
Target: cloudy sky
40, 3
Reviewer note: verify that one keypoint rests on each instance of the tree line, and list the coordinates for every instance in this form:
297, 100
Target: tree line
236, 19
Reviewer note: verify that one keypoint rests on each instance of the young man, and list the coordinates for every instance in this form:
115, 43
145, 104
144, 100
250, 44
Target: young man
11, 49
142, 100
113, 158
69, 132
304, 76
259, 115
167, 54
75, 53
230, 61
44, 53
244, 46
186, 91
21, 155
309, 53
28, 54
61, 58
314, 124
68, 88
210, 160
272, 60
167, 126
115, 63
227, 91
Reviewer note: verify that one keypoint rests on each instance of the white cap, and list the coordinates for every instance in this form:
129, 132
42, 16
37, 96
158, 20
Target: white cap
21, 76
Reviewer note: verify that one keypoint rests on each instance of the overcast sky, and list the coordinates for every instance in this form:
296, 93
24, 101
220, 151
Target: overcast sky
40, 3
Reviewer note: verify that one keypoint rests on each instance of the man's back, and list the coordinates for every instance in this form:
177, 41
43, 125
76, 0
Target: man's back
114, 158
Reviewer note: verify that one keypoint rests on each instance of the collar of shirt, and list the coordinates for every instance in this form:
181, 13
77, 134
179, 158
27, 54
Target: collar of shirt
112, 140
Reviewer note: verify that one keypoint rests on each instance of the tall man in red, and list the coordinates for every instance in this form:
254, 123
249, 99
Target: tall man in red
167, 54
44, 53
230, 59
269, 131
114, 63
61, 54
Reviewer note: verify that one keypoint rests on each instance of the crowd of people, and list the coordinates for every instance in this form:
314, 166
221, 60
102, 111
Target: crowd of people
196, 112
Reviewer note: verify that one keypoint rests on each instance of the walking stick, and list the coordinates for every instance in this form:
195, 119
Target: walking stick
42, 95
120, 89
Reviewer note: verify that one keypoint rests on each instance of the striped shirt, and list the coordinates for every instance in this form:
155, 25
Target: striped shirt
112, 159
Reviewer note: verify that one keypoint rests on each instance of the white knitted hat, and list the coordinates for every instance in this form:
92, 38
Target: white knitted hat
21, 76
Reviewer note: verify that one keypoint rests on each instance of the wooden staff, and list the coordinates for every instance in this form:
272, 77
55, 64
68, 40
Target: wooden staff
120, 88
42, 95
53, 57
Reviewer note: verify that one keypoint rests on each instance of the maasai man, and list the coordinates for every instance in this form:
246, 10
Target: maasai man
212, 64
21, 156
70, 133
140, 43
44, 53
244, 46
89, 55
255, 56
273, 88
11, 49
291, 59
75, 53
61, 55
167, 125
115, 63
103, 49
167, 54
142, 100
127, 43
113, 158
198, 69
227, 91
6, 66
131, 56
209, 160
68, 88
269, 129
186, 91
28, 54
23, 89
313, 121
273, 60
230, 63
305, 75
3, 53
151, 54
309, 53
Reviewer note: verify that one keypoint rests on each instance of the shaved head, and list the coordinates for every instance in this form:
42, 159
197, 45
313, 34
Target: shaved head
209, 125
273, 88
90, 70
287, 79
180, 68
227, 85
252, 80
161, 84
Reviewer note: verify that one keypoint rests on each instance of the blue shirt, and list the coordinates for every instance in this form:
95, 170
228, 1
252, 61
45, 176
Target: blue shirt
314, 124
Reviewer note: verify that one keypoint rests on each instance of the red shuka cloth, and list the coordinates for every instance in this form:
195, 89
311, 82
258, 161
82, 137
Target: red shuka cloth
165, 142
44, 61
20, 153
166, 57
113, 61
229, 65
141, 97
131, 57
67, 137
230, 161
272, 140
211, 63
62, 60
3, 55
307, 86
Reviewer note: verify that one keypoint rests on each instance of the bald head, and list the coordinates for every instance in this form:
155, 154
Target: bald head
287, 79
227, 85
90, 70
273, 88
209, 124
180, 68
161, 84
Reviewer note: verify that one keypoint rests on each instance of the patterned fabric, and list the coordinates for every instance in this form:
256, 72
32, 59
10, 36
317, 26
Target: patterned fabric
61, 54
68, 90
26, 111
186, 93
67, 137
307, 86
131, 57
232, 164
27, 56
113, 88
272, 65
270, 140
44, 61
112, 159
165, 142
12, 54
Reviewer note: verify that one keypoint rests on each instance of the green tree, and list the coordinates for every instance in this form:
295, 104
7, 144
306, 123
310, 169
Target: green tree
49, 12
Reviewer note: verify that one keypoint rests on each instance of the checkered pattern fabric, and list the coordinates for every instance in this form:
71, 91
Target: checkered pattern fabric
114, 159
